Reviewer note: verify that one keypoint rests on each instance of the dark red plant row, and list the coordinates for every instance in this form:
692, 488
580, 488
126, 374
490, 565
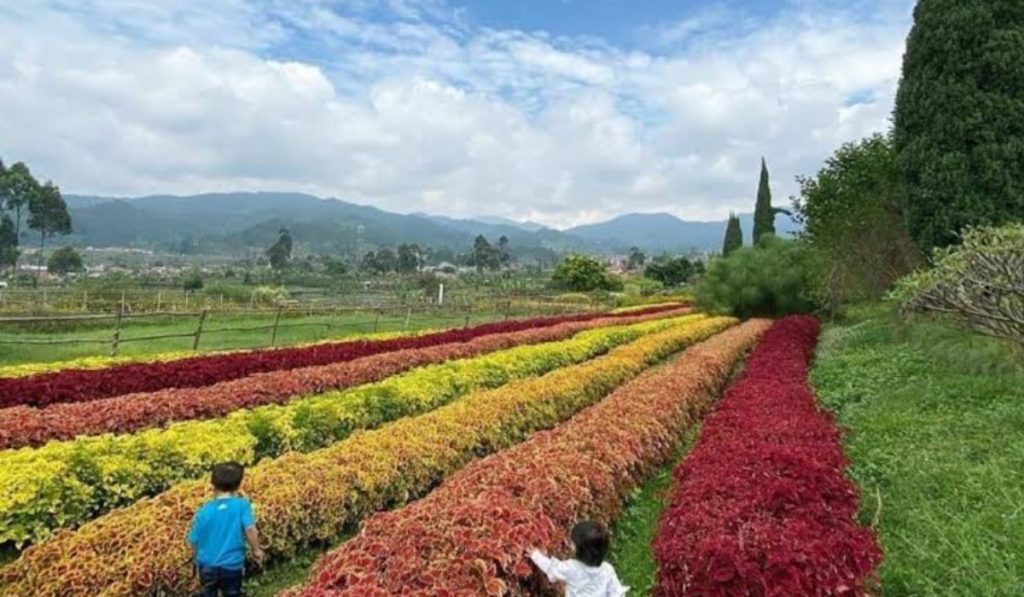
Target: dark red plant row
471, 535
762, 506
27, 426
79, 385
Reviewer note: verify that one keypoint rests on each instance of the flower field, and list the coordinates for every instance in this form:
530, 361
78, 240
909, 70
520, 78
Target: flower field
452, 453
80, 385
88, 476
761, 505
29, 426
470, 536
313, 497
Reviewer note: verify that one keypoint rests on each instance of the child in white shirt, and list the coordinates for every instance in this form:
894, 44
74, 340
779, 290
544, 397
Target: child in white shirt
586, 575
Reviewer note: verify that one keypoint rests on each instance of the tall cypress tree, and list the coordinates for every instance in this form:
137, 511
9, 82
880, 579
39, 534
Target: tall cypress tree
733, 235
764, 213
959, 118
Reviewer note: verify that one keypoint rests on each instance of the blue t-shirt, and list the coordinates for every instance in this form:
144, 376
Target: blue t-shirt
218, 532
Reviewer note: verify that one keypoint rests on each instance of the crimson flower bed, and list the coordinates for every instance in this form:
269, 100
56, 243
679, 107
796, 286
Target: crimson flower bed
470, 536
27, 426
79, 385
761, 505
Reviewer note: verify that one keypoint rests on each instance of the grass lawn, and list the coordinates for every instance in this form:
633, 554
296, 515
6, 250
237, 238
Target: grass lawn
308, 329
936, 420
633, 532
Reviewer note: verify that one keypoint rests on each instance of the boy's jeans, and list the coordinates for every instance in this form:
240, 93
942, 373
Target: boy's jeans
219, 582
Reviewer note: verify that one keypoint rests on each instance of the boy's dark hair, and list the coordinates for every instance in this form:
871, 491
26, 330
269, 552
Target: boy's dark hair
227, 476
591, 540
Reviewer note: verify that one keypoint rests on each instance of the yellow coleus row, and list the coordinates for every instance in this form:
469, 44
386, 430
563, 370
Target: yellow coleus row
302, 499
91, 475
646, 306
98, 362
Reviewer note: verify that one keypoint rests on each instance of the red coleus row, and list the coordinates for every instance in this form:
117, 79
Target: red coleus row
81, 385
26, 426
761, 505
470, 536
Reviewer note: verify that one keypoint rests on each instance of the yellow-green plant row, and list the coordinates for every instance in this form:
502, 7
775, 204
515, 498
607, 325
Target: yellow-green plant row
302, 499
64, 483
99, 362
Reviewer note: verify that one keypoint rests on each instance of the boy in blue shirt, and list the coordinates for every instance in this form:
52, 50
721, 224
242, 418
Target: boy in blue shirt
219, 532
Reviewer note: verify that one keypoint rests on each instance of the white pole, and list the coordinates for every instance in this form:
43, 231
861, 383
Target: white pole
440, 294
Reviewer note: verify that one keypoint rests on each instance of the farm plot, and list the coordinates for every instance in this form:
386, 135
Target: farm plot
80, 385
87, 476
308, 498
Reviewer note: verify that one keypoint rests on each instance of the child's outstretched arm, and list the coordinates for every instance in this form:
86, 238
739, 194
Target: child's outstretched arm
252, 537
555, 569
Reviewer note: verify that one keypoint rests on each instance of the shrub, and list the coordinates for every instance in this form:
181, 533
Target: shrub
766, 280
579, 273
979, 282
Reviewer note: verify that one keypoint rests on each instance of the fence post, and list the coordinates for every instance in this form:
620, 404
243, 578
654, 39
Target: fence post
159, 299
85, 300
186, 300
408, 314
114, 345
277, 320
376, 322
465, 324
199, 328
122, 300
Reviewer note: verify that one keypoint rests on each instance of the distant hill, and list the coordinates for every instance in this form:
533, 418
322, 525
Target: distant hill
664, 232
240, 222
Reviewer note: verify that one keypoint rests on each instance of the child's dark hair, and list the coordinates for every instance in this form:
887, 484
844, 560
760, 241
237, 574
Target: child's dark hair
591, 540
227, 476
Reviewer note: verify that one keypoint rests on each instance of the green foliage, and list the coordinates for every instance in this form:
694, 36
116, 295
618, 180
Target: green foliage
280, 253
64, 261
979, 282
485, 256
408, 259
643, 287
733, 235
671, 272
854, 230
579, 273
767, 280
8, 243
959, 118
636, 259
764, 214
192, 281
936, 440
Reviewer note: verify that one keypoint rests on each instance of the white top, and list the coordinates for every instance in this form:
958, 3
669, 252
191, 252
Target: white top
580, 580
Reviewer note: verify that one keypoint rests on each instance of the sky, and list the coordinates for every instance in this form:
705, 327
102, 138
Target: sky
561, 112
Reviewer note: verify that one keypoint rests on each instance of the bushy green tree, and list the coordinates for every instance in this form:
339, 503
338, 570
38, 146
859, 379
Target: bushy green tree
386, 261
959, 118
408, 258
64, 261
733, 235
48, 215
766, 280
579, 273
280, 253
485, 256
854, 229
8, 243
192, 281
671, 272
636, 259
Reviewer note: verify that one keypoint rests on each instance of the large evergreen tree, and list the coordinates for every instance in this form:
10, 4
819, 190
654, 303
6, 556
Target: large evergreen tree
733, 235
764, 213
959, 118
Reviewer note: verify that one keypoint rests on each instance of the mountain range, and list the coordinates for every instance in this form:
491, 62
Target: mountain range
242, 222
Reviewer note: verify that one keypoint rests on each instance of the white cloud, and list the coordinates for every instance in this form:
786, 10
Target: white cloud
427, 112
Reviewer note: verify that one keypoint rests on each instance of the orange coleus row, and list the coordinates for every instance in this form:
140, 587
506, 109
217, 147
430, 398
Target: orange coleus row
28, 426
471, 535
303, 499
